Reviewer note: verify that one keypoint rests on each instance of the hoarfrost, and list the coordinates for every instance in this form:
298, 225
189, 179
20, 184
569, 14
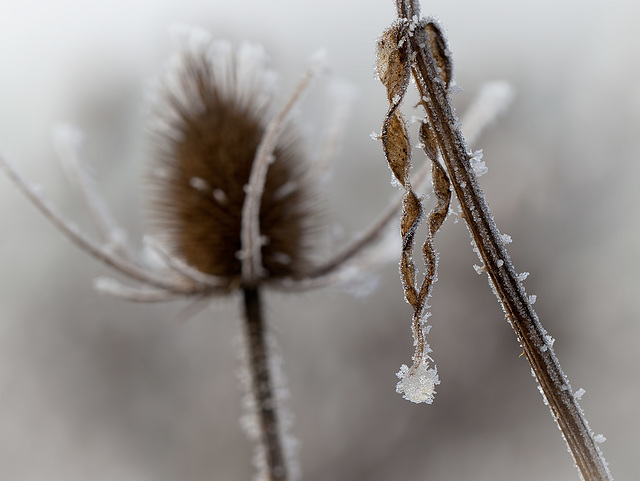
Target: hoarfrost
477, 164
599, 438
418, 383
532, 299
500, 263
394, 181
544, 398
478, 269
522, 276
506, 239
375, 136
578, 394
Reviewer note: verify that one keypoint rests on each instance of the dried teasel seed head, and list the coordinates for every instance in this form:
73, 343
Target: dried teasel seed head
392, 62
210, 113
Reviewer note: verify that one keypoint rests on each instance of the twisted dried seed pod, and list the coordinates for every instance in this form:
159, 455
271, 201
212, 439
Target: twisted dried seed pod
393, 62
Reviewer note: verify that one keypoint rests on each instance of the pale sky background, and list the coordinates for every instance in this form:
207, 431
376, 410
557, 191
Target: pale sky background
95, 388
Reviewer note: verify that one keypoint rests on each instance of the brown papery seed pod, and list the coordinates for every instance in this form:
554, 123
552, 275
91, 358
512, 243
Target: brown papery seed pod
392, 62
210, 114
440, 51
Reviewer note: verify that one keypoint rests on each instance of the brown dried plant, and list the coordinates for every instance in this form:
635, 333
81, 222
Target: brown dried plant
417, 47
233, 209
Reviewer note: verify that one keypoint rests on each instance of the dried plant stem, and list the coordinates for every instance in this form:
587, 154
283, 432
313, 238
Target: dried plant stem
509, 290
262, 386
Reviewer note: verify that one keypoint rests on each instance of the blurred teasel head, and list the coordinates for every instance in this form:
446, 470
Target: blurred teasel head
211, 119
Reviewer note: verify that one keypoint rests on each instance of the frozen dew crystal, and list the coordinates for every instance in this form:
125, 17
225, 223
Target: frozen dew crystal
599, 438
477, 164
417, 384
479, 269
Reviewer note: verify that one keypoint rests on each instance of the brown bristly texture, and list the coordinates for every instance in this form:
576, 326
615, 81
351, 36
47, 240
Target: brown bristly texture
431, 67
204, 160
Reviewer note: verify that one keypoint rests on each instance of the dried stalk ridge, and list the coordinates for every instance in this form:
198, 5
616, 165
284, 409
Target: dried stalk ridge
419, 46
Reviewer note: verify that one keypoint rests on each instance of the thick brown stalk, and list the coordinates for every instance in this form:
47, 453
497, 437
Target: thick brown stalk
535, 342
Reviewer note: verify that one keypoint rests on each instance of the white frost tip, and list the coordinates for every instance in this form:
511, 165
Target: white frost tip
189, 37
599, 438
477, 164
375, 136
418, 383
579, 393
478, 269
319, 60
506, 239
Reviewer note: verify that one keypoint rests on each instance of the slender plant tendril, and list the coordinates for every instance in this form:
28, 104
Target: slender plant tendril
418, 45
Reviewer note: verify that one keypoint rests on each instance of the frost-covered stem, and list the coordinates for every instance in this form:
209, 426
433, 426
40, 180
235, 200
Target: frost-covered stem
509, 290
262, 386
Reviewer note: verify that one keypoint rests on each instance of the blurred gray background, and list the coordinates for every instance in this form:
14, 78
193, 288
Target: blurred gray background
94, 388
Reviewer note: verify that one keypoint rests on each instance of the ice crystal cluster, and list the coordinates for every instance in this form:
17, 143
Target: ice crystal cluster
417, 384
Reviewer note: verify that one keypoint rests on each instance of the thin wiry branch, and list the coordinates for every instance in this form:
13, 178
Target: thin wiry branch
183, 269
68, 141
427, 71
342, 94
114, 288
83, 242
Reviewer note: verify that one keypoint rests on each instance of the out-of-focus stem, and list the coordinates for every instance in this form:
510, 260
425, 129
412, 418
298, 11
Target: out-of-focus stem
262, 386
